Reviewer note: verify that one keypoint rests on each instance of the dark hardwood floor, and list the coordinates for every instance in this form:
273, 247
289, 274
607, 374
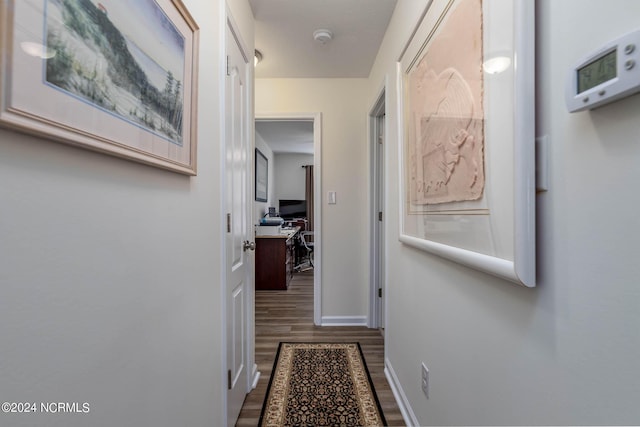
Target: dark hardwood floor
288, 316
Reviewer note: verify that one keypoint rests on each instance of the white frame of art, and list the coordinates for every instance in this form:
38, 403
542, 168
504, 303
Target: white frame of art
30, 103
495, 234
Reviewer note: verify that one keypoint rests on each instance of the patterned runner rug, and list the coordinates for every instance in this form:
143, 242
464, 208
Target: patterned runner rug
320, 384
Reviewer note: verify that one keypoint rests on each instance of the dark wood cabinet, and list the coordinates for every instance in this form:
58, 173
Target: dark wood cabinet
275, 257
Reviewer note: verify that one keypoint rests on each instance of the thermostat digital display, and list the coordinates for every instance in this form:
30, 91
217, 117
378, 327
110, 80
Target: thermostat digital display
609, 74
597, 72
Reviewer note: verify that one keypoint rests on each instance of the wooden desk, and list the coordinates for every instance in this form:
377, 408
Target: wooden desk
275, 257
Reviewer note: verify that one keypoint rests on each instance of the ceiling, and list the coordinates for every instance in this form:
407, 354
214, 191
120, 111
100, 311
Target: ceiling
295, 136
284, 36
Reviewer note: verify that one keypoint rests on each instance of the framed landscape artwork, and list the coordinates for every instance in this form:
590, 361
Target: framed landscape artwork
467, 136
262, 177
119, 77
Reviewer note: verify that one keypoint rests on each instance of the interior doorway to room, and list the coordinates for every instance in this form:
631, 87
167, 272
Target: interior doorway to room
291, 146
377, 146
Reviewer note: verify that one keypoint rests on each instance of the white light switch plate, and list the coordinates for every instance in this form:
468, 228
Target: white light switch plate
332, 197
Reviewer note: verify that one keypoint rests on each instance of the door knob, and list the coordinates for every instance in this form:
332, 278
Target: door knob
248, 246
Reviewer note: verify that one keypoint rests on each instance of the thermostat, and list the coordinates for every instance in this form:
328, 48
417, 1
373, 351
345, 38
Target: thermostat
606, 75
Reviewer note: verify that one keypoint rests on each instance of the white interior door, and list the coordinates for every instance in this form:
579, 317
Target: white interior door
239, 261
380, 122
377, 214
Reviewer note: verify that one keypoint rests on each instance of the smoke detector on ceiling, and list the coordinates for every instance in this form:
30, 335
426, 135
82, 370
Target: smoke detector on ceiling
322, 36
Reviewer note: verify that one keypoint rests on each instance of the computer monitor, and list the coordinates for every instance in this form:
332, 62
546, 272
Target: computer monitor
290, 209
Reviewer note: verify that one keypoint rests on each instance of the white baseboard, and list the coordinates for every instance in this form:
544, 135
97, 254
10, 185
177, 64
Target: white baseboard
401, 398
344, 321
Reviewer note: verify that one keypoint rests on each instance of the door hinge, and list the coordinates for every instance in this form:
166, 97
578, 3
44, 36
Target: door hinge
379, 292
228, 66
379, 216
228, 223
229, 379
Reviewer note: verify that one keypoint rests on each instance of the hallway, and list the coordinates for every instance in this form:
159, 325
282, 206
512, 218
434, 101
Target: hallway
288, 316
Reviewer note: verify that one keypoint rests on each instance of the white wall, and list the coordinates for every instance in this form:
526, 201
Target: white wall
110, 274
290, 178
344, 170
567, 351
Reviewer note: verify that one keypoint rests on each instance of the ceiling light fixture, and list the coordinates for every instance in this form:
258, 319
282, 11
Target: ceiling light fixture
322, 36
257, 57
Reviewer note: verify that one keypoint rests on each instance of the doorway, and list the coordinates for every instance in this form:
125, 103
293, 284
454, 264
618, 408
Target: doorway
377, 214
315, 120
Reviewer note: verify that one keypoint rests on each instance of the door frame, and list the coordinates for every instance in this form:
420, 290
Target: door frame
376, 264
316, 118
249, 345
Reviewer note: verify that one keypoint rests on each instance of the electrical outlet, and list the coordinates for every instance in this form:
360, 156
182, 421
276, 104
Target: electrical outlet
425, 380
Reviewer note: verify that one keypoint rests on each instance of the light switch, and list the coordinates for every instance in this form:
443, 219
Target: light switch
332, 197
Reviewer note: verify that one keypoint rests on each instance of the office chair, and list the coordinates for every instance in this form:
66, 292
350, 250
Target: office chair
306, 238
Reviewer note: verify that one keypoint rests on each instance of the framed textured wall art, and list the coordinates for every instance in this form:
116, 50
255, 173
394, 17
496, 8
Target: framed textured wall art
467, 175
112, 76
